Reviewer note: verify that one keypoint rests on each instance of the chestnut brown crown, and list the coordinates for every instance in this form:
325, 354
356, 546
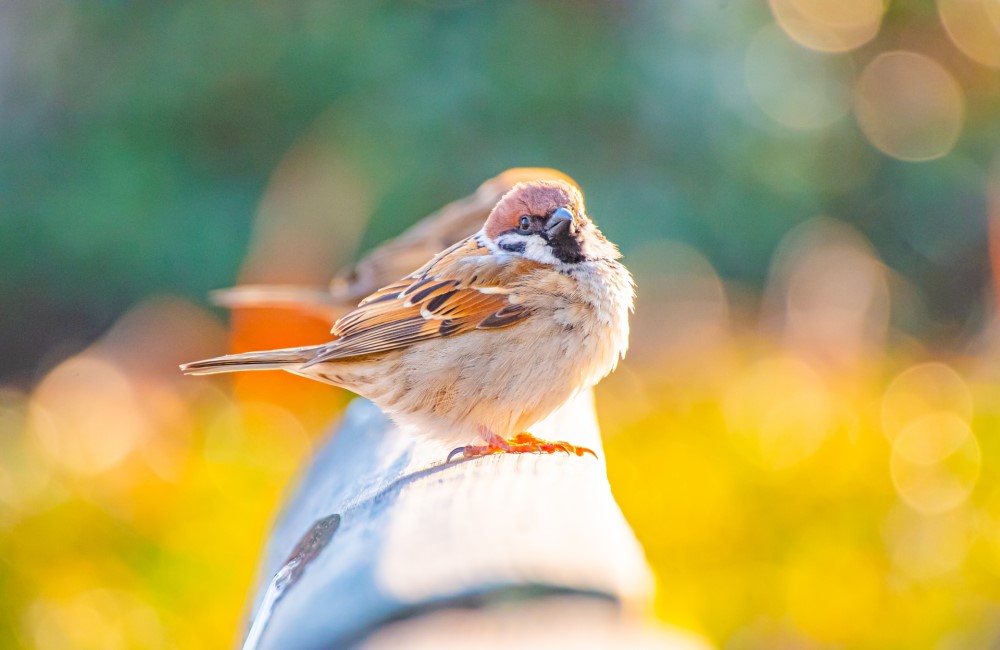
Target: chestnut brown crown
533, 198
546, 221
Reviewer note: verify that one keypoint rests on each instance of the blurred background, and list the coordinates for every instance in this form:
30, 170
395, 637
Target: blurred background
805, 436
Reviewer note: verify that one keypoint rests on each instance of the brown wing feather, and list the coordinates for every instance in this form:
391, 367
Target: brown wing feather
452, 223
463, 288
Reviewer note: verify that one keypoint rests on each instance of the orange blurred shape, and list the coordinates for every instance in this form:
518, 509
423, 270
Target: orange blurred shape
262, 329
310, 220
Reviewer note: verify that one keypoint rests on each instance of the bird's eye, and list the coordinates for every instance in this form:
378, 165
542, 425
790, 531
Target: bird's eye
525, 224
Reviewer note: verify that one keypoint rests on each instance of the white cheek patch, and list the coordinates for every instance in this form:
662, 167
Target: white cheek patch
510, 243
537, 249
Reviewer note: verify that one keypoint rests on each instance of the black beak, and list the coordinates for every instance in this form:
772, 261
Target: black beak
559, 223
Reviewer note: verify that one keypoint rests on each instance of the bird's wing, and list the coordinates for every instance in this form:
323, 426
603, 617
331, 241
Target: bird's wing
464, 288
437, 231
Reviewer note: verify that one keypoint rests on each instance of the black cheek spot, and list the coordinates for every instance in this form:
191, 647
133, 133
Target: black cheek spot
513, 247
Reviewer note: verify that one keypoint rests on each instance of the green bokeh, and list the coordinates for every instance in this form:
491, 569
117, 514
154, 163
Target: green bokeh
138, 137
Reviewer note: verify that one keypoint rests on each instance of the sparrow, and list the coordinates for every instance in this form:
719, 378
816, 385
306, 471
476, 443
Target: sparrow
384, 264
487, 338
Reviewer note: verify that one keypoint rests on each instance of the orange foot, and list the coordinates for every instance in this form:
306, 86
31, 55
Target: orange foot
522, 443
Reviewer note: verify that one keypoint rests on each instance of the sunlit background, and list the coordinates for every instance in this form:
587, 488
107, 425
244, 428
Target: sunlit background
807, 433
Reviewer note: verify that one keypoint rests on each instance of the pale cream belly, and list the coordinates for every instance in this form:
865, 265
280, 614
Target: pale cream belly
461, 388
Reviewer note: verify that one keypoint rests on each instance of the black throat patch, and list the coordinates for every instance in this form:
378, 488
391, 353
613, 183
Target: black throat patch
567, 249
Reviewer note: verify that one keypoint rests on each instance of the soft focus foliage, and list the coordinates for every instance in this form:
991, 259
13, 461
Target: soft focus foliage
804, 435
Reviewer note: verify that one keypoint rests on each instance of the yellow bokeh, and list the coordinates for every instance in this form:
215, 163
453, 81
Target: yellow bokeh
779, 413
935, 463
931, 388
829, 25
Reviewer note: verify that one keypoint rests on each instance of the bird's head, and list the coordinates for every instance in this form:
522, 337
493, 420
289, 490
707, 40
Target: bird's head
545, 221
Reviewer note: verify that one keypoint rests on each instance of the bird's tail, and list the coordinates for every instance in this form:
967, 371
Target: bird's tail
284, 359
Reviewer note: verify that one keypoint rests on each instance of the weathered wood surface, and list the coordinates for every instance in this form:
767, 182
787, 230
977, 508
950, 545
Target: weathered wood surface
382, 536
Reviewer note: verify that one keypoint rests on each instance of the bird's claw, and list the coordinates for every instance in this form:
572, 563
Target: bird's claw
522, 443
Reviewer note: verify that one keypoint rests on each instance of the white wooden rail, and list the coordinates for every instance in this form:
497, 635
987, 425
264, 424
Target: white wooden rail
383, 545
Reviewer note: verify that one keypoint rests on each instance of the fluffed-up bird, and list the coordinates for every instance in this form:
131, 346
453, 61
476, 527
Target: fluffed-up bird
487, 338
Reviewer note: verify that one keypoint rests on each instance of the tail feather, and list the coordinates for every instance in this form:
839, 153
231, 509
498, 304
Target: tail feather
284, 359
